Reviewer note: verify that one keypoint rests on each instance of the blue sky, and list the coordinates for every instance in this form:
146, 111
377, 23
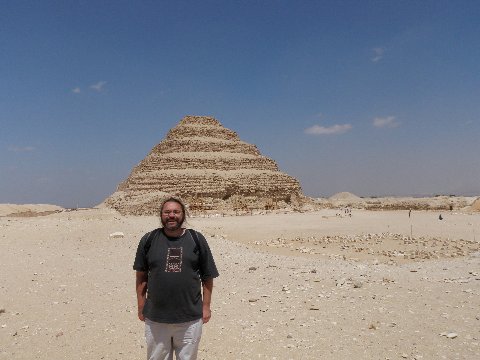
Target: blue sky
371, 97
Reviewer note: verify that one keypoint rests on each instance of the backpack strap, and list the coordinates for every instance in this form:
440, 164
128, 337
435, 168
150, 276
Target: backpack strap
148, 243
194, 235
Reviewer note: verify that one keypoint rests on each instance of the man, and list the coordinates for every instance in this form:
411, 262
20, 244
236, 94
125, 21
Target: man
171, 262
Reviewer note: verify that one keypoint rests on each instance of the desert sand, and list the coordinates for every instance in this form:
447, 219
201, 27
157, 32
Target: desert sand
327, 284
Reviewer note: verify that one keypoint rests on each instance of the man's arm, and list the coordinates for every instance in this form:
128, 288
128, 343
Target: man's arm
141, 288
207, 285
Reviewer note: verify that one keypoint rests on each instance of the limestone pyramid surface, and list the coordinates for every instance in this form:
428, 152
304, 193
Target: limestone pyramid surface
209, 167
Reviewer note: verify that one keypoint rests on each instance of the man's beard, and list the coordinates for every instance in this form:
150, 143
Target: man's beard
170, 225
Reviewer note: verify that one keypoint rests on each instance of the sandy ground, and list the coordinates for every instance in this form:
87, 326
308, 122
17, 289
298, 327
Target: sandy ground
376, 285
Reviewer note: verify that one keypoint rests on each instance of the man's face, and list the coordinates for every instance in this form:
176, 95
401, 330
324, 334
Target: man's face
172, 216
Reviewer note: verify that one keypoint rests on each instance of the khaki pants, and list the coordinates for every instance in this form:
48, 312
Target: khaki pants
163, 339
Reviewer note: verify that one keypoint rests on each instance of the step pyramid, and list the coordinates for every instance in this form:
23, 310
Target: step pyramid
209, 167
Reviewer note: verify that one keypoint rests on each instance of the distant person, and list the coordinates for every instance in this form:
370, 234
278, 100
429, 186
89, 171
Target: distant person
172, 266
409, 212
440, 217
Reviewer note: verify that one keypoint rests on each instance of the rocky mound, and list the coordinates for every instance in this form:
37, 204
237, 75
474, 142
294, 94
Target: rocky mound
211, 168
344, 196
476, 205
345, 199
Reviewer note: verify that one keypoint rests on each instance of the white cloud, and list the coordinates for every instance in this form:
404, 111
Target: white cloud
20, 148
98, 86
388, 121
331, 130
76, 90
378, 54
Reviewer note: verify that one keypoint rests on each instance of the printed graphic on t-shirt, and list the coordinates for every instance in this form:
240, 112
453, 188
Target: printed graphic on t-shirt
174, 260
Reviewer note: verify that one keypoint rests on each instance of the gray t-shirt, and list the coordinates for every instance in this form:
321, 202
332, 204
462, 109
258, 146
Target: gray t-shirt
175, 267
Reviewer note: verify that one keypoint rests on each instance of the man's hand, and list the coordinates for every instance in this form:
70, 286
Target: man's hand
207, 314
207, 298
141, 289
140, 314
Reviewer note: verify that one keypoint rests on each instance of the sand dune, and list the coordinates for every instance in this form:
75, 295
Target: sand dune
19, 210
